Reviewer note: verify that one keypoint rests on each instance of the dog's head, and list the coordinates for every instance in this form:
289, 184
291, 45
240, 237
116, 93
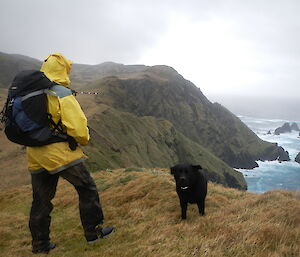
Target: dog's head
184, 175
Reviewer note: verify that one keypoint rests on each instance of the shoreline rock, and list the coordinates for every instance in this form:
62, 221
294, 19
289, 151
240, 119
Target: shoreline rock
287, 128
274, 153
247, 161
297, 159
284, 156
295, 127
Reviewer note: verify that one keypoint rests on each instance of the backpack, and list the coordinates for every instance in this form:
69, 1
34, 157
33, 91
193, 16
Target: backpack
25, 115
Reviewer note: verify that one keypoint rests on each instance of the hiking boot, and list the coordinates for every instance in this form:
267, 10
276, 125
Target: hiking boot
45, 249
101, 233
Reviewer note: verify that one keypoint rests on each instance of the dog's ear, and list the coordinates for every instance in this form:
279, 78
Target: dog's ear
172, 169
197, 167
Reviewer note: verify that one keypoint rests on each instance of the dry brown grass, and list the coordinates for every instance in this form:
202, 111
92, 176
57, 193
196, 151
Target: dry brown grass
145, 210
12, 158
13, 164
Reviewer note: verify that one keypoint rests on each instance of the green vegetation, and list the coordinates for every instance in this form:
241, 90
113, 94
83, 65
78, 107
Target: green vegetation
160, 92
149, 142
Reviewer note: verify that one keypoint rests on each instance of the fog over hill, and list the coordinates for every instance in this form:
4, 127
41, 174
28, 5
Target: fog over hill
260, 107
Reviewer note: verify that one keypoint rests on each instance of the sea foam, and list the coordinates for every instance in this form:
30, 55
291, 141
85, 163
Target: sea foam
274, 175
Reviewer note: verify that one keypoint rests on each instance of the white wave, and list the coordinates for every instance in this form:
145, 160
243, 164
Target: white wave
274, 175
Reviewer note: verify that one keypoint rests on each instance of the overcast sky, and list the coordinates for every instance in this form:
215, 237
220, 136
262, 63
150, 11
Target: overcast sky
247, 47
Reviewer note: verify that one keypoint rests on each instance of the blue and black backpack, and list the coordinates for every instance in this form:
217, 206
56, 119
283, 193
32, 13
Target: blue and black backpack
25, 117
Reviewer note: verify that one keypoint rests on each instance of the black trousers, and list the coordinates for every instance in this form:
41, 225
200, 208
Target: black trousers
44, 188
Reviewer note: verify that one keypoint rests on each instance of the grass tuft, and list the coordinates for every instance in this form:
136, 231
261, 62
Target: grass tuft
134, 169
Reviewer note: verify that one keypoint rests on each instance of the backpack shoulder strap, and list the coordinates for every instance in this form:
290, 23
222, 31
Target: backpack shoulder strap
35, 93
61, 91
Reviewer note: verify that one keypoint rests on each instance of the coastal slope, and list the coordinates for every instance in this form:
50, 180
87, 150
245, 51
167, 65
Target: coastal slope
143, 206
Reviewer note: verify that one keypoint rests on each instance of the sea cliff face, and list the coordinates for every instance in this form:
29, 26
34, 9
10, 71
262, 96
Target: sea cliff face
162, 93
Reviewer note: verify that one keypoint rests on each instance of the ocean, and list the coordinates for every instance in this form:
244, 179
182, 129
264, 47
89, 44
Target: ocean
273, 174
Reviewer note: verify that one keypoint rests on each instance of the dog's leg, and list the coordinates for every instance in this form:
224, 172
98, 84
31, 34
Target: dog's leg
201, 206
183, 205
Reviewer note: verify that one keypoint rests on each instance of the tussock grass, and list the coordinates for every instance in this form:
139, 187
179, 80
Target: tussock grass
12, 157
14, 170
144, 208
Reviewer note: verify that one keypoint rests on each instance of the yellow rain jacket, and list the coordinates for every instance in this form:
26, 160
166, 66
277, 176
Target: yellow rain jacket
62, 105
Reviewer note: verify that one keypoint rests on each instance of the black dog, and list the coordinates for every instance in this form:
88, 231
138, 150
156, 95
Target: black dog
191, 186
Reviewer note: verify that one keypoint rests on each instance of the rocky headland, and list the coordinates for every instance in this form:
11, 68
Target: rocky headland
287, 128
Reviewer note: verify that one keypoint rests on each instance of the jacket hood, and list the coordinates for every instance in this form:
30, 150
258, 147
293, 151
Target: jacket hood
57, 68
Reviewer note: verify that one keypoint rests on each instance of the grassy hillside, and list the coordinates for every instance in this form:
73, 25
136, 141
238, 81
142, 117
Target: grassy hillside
11, 64
13, 164
82, 74
143, 206
121, 139
12, 158
162, 93
153, 117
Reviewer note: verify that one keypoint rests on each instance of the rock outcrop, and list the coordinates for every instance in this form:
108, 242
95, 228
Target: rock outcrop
297, 159
295, 127
287, 128
284, 156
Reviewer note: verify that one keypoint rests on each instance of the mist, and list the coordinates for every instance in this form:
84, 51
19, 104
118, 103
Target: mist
260, 106
246, 49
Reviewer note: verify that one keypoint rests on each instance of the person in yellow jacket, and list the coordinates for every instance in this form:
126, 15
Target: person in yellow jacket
62, 159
